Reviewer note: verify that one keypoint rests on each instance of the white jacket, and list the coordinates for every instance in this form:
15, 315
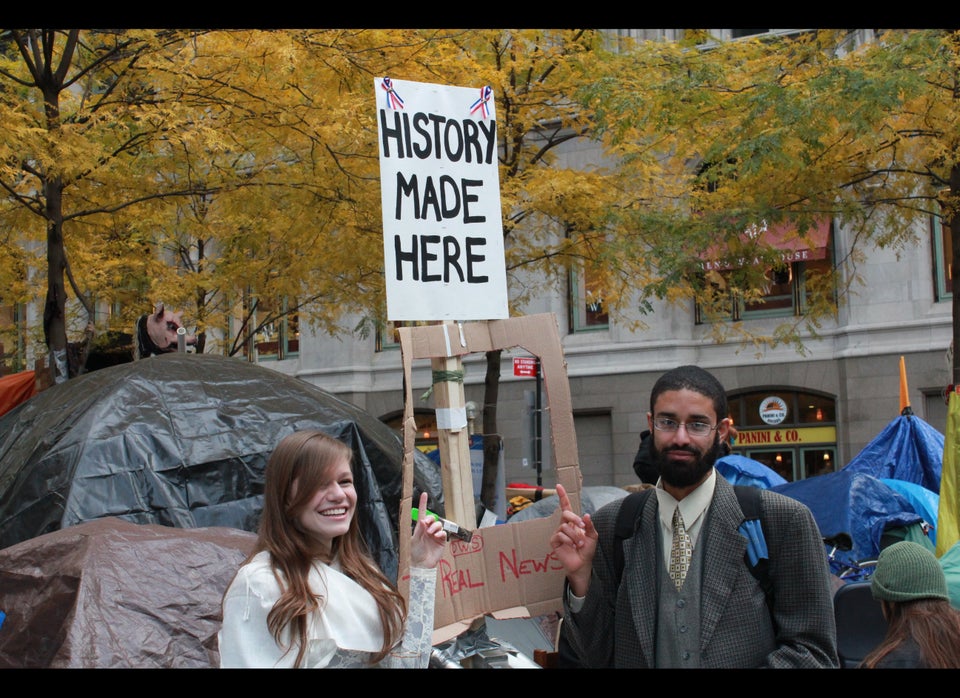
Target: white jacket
346, 632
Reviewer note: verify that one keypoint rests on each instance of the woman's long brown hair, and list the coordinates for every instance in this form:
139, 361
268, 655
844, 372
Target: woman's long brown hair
932, 623
305, 457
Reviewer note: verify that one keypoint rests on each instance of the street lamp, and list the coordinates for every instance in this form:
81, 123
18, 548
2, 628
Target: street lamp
471, 408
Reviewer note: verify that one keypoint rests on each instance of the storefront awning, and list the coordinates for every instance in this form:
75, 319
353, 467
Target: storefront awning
794, 247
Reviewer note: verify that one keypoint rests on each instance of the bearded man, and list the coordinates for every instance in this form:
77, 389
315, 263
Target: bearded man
686, 597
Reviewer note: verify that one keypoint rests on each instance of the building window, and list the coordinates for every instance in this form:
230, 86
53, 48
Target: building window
387, 337
587, 310
784, 295
277, 333
942, 260
779, 295
785, 292
935, 406
14, 340
741, 33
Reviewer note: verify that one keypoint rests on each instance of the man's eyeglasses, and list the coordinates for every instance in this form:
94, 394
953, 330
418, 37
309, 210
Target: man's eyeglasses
693, 428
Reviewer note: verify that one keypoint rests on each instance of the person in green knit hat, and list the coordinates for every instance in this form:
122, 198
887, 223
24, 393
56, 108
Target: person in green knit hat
923, 629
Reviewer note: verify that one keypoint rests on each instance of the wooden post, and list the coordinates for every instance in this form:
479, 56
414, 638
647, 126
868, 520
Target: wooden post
453, 437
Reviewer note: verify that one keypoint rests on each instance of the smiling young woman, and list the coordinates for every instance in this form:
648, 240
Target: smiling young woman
310, 595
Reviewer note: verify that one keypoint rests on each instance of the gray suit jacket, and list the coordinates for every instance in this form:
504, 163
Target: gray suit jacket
617, 627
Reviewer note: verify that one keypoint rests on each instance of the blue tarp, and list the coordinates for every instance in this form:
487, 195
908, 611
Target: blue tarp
907, 449
740, 470
854, 503
923, 501
950, 561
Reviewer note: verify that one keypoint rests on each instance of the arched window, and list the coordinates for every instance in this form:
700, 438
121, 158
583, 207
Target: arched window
794, 432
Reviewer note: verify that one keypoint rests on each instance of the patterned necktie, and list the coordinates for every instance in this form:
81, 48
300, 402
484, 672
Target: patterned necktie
680, 551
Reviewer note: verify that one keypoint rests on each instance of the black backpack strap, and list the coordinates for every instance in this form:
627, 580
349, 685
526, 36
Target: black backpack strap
624, 527
626, 524
749, 498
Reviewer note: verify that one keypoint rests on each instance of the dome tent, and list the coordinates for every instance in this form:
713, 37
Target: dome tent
182, 440
907, 449
854, 503
111, 594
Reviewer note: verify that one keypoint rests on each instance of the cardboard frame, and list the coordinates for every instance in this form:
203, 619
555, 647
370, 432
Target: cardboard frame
508, 570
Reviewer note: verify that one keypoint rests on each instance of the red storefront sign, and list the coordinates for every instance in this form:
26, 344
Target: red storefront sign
784, 237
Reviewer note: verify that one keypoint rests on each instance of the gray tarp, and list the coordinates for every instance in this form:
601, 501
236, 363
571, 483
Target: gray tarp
182, 440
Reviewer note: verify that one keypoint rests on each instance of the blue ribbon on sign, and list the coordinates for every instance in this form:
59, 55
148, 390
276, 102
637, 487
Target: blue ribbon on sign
756, 543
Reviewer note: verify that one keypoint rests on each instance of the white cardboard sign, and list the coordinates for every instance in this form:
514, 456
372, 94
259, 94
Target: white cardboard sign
440, 194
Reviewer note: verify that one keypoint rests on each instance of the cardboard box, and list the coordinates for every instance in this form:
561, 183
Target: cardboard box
508, 570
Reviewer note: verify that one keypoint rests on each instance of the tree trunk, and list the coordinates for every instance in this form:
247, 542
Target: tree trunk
50, 82
201, 297
54, 311
491, 435
950, 218
954, 223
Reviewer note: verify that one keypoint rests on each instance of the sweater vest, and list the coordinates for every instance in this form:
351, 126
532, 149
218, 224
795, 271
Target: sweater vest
678, 616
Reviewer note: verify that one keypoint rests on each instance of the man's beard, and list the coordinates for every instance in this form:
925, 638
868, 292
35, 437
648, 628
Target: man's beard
681, 473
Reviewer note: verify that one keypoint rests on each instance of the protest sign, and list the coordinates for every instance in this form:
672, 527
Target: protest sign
440, 195
507, 570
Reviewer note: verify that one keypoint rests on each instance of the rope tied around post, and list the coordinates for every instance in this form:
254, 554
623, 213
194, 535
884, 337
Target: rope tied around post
443, 377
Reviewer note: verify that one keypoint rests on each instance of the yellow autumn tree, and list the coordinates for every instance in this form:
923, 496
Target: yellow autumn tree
62, 131
560, 213
209, 170
821, 124
216, 170
282, 209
